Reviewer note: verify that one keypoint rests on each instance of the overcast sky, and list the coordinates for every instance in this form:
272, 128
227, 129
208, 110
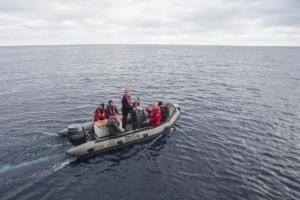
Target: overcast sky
204, 22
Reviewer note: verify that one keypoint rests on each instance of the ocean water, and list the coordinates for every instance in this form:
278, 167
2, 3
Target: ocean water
238, 136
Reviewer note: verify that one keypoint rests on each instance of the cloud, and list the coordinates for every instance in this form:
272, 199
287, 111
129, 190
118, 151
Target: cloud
224, 22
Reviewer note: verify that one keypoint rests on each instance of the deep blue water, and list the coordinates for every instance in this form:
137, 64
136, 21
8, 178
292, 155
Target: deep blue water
238, 136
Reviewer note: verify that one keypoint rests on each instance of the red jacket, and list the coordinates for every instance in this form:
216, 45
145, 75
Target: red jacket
155, 116
99, 115
111, 110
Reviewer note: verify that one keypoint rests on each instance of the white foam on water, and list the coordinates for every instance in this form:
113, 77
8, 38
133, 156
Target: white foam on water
49, 133
57, 167
8, 167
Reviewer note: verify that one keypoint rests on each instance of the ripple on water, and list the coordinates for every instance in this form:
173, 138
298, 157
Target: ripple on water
237, 137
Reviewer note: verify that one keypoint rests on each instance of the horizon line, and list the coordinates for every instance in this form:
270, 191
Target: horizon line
145, 44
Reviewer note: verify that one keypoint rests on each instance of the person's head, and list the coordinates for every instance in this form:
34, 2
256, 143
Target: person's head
126, 92
160, 103
155, 104
110, 102
101, 106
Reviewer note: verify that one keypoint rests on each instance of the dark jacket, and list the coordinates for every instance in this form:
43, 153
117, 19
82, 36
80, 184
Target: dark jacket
126, 104
164, 113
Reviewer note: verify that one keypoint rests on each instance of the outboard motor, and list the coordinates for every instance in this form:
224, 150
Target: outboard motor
76, 134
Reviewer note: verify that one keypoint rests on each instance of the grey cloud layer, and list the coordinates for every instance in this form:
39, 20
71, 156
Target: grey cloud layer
237, 22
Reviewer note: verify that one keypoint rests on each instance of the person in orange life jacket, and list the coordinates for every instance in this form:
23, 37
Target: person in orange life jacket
100, 113
111, 110
155, 114
126, 108
113, 121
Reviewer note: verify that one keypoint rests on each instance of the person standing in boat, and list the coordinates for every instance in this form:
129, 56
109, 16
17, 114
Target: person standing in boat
134, 118
155, 114
100, 113
126, 108
137, 102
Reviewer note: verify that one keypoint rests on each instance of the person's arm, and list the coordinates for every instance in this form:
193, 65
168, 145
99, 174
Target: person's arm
107, 112
149, 110
96, 117
138, 100
105, 116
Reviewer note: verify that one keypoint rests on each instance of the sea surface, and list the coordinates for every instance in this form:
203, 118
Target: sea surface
238, 136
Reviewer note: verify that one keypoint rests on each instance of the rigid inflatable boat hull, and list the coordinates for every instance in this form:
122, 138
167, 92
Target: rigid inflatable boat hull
135, 136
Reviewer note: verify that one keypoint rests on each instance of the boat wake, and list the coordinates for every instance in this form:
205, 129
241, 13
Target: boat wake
37, 170
8, 167
59, 161
49, 133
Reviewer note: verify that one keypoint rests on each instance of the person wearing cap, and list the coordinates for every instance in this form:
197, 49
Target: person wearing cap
100, 113
155, 114
126, 108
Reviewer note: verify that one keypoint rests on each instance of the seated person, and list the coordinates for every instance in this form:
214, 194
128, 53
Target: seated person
155, 114
113, 119
164, 111
99, 113
100, 120
111, 109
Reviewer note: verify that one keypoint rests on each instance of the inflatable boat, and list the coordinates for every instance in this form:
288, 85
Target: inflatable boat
90, 138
